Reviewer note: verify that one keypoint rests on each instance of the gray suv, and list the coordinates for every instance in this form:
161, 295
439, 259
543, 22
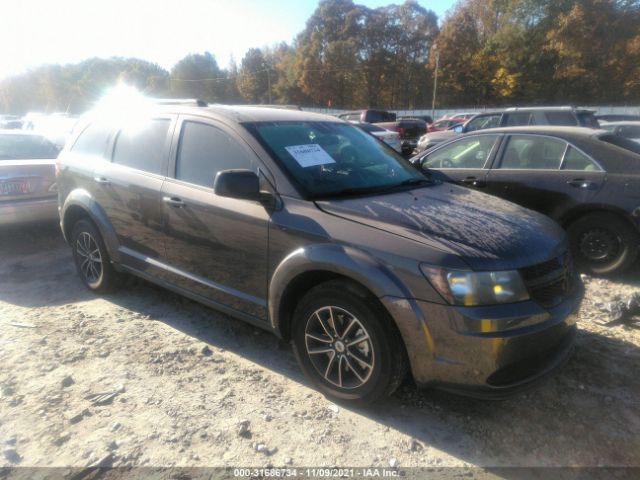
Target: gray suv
306, 226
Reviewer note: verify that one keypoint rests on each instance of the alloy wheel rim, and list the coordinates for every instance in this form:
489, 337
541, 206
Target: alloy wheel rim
90, 258
339, 347
599, 244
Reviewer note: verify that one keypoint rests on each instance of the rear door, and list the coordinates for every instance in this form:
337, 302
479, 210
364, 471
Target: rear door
128, 187
464, 161
216, 246
543, 173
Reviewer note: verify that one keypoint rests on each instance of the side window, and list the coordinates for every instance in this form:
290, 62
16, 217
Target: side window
532, 152
466, 153
485, 121
560, 118
143, 148
576, 160
205, 150
93, 140
517, 119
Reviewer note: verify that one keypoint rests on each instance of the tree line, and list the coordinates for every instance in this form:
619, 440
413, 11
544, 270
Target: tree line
487, 53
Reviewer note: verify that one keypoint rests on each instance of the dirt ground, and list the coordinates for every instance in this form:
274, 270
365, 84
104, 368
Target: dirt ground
144, 377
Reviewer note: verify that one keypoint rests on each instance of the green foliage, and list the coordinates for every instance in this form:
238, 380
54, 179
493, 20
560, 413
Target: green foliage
491, 52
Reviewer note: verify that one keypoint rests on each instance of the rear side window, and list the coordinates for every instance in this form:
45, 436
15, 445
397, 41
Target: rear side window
143, 148
205, 150
25, 147
530, 152
93, 140
517, 119
587, 119
485, 121
560, 118
576, 160
375, 116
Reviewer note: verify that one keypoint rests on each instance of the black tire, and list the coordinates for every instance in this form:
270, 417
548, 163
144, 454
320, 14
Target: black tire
95, 271
603, 244
383, 347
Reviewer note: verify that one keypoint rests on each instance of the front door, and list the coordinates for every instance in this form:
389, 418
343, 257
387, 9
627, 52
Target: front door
216, 246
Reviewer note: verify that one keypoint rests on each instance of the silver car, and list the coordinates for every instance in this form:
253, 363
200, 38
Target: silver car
27, 178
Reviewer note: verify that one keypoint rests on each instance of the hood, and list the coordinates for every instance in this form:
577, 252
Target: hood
485, 231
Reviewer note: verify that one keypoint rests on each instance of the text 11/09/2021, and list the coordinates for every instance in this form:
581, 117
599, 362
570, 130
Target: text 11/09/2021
316, 472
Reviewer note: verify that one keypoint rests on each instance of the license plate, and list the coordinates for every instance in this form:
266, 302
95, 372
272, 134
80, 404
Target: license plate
14, 187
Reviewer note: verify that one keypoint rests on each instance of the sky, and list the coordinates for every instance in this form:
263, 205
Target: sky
35, 32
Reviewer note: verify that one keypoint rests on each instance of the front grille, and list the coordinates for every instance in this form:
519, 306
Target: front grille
550, 282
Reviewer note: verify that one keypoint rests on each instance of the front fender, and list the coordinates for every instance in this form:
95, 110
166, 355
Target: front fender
81, 198
346, 261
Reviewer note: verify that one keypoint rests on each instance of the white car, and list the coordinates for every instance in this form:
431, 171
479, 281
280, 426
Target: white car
387, 136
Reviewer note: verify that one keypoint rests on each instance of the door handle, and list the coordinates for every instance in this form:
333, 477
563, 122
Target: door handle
173, 201
581, 183
101, 180
474, 182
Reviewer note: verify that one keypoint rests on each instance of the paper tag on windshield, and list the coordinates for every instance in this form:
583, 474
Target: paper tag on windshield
310, 155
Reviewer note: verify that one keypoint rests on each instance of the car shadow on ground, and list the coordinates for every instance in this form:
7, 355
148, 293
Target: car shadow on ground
590, 406
38, 256
587, 414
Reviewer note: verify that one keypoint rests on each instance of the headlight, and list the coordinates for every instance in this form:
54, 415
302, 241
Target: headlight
464, 287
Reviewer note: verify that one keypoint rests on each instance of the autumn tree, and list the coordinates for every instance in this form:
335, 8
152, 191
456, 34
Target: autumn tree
254, 81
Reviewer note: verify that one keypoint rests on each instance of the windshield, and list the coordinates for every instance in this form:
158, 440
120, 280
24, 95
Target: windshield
329, 158
25, 147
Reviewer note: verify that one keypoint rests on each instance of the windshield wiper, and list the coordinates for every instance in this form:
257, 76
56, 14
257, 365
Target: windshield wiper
413, 181
376, 189
345, 192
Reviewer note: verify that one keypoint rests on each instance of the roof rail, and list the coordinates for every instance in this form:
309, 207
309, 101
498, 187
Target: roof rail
196, 102
553, 107
284, 107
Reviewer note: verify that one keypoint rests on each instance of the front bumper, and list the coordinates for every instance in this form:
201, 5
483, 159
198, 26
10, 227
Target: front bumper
485, 351
29, 211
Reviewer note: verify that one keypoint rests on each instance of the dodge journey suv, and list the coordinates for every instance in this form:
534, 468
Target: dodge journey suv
306, 226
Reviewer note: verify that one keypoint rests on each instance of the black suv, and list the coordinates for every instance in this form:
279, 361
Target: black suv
308, 227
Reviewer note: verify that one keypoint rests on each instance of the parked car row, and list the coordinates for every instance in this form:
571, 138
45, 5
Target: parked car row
511, 117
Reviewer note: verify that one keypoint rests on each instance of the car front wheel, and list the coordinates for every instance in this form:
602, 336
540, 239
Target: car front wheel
346, 344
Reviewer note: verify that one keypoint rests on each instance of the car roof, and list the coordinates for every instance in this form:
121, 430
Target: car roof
240, 113
544, 129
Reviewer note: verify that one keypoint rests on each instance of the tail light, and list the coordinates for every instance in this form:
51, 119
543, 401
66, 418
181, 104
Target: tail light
400, 131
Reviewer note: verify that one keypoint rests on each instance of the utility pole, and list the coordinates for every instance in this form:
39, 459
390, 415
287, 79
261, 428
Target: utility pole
269, 83
435, 83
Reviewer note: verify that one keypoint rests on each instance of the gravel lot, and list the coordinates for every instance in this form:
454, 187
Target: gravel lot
145, 377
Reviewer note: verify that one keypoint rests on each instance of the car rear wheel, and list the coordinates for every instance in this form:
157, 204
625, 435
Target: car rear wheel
346, 344
92, 259
603, 244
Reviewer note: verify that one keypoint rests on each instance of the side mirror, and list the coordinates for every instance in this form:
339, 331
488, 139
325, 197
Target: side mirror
243, 184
